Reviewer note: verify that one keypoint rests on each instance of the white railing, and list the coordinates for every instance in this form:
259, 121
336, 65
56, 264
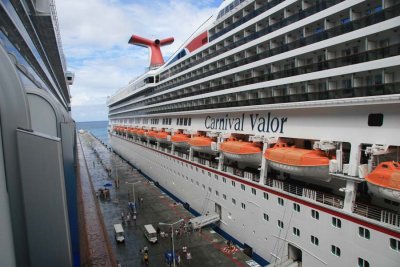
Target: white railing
54, 18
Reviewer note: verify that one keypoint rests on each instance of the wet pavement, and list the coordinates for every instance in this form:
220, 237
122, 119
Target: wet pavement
106, 168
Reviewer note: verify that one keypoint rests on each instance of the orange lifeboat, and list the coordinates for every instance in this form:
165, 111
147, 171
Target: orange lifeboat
162, 137
201, 144
131, 132
299, 161
151, 135
384, 181
242, 151
141, 133
180, 140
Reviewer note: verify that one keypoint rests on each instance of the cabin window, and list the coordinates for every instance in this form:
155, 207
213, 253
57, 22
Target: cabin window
296, 207
314, 240
216, 193
265, 195
296, 231
335, 250
209, 189
243, 206
243, 187
204, 187
315, 214
362, 263
233, 183
336, 222
266, 217
216, 177
224, 179
233, 201
281, 201
363, 232
253, 191
395, 244
375, 119
224, 196
280, 224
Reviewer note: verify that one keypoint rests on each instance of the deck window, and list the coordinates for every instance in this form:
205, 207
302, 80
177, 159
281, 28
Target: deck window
315, 214
395, 244
336, 222
335, 250
362, 263
314, 240
296, 207
296, 231
363, 232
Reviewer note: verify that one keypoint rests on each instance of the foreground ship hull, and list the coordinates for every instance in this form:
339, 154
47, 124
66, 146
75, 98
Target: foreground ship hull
38, 189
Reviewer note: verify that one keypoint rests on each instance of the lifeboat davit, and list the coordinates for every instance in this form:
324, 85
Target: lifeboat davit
201, 144
242, 151
162, 137
384, 181
180, 140
151, 135
299, 161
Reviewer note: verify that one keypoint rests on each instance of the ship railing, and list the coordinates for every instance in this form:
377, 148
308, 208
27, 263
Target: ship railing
390, 218
326, 199
54, 19
377, 214
253, 176
181, 155
206, 162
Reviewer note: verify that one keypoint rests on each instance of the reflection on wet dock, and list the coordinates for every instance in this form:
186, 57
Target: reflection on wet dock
124, 196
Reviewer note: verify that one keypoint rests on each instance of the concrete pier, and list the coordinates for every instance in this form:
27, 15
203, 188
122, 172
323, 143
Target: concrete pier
106, 170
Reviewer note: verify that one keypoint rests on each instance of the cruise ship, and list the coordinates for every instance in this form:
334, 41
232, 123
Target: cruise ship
38, 206
283, 118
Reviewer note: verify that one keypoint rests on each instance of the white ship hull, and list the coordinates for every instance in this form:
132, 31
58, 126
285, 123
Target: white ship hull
248, 226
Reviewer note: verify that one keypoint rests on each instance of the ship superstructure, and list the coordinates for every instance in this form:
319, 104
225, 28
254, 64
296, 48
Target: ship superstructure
282, 117
38, 190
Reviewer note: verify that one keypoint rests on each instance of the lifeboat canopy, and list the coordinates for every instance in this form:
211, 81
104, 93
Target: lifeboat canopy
384, 181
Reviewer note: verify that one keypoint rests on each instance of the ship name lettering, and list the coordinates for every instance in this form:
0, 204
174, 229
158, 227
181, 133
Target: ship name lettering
267, 124
224, 123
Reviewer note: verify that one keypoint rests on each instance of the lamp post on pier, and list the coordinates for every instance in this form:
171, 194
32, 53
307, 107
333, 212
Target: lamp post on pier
172, 236
133, 193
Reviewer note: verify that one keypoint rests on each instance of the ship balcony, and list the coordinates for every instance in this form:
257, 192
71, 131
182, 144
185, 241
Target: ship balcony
327, 29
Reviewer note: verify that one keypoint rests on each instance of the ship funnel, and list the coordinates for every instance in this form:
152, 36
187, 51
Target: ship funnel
156, 58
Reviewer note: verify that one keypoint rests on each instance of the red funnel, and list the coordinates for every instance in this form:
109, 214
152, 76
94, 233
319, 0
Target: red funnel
156, 58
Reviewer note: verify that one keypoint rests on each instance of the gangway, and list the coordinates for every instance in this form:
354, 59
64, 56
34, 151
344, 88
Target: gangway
203, 220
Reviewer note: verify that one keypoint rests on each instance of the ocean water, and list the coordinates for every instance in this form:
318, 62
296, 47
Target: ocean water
97, 128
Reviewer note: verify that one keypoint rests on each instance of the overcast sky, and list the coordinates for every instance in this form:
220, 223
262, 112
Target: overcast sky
95, 36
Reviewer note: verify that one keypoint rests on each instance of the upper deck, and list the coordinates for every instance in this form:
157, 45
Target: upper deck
286, 52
